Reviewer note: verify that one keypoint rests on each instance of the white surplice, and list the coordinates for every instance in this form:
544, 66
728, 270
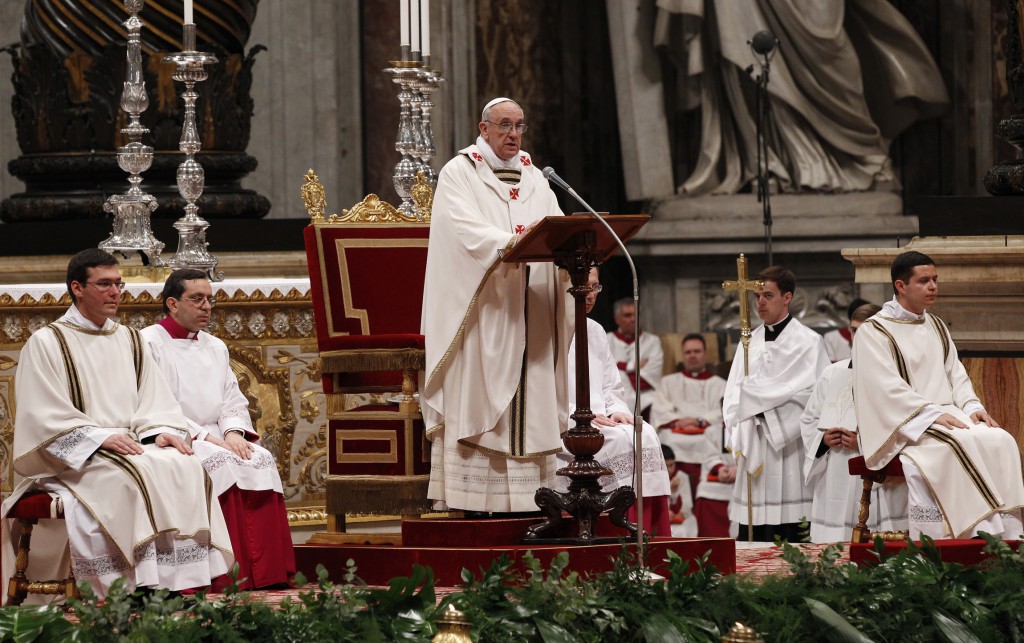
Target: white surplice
716, 454
199, 374
78, 384
680, 395
651, 356
490, 331
906, 374
826, 470
837, 346
606, 398
762, 420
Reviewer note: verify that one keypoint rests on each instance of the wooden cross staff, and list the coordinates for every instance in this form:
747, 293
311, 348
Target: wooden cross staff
742, 286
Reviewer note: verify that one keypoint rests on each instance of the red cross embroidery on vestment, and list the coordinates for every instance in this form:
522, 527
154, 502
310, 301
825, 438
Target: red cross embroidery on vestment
514, 193
525, 160
478, 158
519, 229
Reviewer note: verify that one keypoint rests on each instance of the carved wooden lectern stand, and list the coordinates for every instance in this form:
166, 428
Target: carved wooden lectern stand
578, 243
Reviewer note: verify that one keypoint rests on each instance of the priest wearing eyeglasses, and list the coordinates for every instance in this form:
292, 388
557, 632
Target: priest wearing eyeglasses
493, 393
244, 474
98, 426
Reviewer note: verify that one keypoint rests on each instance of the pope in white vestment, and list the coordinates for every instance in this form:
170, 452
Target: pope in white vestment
762, 418
78, 383
836, 493
493, 394
907, 379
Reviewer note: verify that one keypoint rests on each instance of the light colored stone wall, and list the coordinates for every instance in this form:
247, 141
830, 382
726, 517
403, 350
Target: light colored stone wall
306, 90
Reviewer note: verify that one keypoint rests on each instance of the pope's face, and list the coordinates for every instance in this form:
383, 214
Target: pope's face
920, 291
504, 144
186, 312
772, 305
695, 357
97, 299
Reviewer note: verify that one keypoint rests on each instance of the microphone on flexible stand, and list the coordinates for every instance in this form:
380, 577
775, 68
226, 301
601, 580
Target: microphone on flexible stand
763, 44
550, 175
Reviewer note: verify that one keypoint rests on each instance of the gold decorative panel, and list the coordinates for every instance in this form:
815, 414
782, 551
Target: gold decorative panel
268, 327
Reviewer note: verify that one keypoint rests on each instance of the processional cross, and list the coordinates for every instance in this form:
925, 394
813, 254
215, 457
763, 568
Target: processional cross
742, 285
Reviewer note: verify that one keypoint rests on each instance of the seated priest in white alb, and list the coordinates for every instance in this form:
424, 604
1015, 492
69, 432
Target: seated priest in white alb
829, 429
914, 400
613, 418
244, 474
98, 426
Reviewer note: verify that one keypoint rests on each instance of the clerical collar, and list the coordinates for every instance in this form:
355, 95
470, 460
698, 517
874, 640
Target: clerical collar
704, 374
176, 330
495, 161
772, 331
894, 310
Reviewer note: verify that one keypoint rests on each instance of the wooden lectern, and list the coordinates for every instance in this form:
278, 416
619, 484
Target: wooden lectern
578, 243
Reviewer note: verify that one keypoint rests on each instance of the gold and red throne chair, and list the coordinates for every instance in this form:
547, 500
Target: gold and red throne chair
366, 271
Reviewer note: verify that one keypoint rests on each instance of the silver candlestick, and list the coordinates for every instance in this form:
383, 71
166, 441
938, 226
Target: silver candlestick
403, 73
428, 81
132, 227
191, 228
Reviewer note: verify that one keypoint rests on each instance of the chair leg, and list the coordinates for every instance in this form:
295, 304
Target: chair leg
17, 587
861, 533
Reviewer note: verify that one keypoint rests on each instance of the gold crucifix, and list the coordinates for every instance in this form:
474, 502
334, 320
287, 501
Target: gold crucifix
742, 286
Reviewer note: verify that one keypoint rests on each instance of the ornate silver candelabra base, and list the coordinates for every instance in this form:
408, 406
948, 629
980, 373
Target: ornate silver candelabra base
191, 228
132, 230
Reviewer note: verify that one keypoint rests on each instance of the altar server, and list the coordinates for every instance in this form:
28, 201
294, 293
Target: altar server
244, 474
829, 428
615, 421
914, 400
652, 357
762, 414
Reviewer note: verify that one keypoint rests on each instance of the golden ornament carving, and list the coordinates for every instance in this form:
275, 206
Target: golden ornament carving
423, 196
314, 197
270, 403
372, 210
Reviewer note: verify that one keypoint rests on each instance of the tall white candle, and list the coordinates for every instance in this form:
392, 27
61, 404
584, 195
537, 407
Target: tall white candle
404, 20
425, 21
414, 24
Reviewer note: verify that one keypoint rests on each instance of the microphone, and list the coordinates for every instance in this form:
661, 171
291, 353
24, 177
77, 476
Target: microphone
549, 174
763, 42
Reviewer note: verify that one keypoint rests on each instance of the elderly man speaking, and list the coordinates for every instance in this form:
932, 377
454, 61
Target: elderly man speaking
493, 393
